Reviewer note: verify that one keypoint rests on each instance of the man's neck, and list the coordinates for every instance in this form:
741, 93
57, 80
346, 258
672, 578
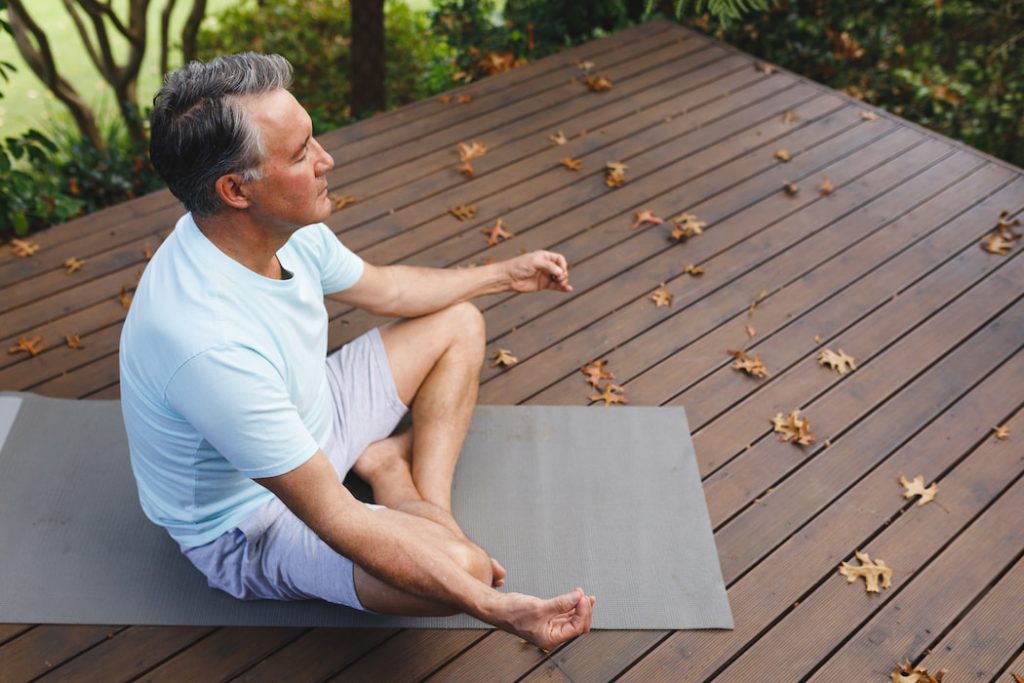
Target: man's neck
252, 245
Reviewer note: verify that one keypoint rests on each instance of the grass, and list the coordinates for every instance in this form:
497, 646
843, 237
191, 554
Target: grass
28, 103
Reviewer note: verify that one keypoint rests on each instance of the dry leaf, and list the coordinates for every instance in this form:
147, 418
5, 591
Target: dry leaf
24, 248
840, 362
907, 673
444, 99
571, 164
558, 138
595, 372
916, 488
466, 169
29, 346
794, 428
1004, 226
826, 188
790, 117
645, 216
598, 83
72, 264
463, 212
817, 339
782, 155
764, 68
870, 571
340, 201
997, 244
73, 340
610, 394
751, 332
471, 150
1002, 433
496, 233
464, 99
791, 189
869, 116
693, 270
686, 226
125, 298
615, 174
148, 253
504, 358
585, 66
752, 366
661, 297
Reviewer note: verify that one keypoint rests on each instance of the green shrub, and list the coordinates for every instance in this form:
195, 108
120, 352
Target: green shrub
314, 35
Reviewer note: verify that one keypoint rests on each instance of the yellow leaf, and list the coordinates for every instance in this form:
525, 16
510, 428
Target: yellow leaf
916, 488
840, 362
504, 358
872, 572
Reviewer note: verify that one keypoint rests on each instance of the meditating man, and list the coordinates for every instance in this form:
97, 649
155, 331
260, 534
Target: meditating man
242, 429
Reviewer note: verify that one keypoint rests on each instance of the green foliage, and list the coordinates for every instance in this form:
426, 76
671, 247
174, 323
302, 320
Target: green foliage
724, 11
314, 35
955, 66
561, 23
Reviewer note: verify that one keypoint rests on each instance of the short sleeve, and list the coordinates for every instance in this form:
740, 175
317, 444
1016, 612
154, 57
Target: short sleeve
236, 400
340, 268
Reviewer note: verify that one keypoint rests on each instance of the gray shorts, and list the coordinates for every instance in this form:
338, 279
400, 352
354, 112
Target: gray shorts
273, 555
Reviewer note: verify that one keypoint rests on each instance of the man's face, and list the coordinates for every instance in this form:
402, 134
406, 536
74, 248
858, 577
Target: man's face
292, 191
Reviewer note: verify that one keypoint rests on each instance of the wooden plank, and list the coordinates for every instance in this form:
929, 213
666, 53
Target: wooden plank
1013, 670
510, 653
410, 655
11, 631
905, 627
987, 637
44, 647
128, 654
223, 654
769, 594
316, 655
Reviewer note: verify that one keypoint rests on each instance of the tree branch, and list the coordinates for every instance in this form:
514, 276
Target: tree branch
165, 27
191, 30
100, 10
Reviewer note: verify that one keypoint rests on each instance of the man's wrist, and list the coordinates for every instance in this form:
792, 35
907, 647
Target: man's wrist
488, 605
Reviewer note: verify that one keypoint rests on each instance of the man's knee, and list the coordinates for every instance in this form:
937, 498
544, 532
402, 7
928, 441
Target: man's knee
467, 322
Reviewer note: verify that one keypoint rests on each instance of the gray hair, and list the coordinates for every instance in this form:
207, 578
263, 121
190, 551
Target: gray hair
199, 130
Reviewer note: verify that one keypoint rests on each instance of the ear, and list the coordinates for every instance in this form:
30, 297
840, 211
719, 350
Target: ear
232, 191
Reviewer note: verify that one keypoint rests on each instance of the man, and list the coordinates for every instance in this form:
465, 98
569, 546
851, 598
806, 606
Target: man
241, 434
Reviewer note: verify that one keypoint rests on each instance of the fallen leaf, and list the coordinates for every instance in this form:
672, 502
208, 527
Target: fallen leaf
686, 226
24, 248
645, 216
790, 117
1005, 226
752, 366
869, 116
791, 189
616, 173
571, 164
997, 244
1017, 678
826, 188
496, 233
1002, 433
661, 297
444, 99
817, 339
764, 68
691, 269
751, 332
471, 150
782, 155
612, 393
585, 66
29, 346
464, 99
840, 362
463, 212
72, 264
916, 488
73, 340
794, 428
504, 358
148, 253
466, 169
558, 138
598, 83
125, 298
595, 372
907, 673
870, 571
340, 201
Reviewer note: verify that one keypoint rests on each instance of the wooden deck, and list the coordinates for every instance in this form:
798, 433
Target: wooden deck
888, 267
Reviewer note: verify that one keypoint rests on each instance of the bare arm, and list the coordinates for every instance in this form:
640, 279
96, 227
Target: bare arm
411, 291
386, 544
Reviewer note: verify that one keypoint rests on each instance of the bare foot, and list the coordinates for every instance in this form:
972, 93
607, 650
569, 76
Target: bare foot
497, 573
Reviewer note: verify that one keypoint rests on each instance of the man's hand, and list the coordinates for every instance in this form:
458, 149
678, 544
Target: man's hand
538, 270
547, 623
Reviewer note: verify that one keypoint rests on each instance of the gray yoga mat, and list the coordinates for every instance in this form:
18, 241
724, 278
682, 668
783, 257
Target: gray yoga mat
604, 498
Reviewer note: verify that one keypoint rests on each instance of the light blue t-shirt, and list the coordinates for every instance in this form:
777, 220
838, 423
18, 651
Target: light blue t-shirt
223, 377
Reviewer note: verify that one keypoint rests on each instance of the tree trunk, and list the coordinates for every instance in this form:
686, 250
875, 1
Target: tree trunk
367, 56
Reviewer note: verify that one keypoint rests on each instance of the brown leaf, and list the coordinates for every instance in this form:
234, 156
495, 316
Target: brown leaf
764, 68
504, 358
24, 248
751, 332
782, 155
687, 226
29, 346
615, 173
790, 117
466, 169
571, 164
645, 216
558, 138
595, 372
73, 340
125, 298
916, 488
752, 366
1005, 226
691, 269
471, 150
1002, 433
340, 201
840, 362
462, 212
791, 189
794, 428
661, 297
444, 99
148, 253
907, 673
464, 99
496, 233
72, 264
997, 244
871, 571
869, 116
826, 188
598, 83
610, 394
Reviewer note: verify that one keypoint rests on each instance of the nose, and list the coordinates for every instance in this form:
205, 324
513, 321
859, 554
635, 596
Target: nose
326, 162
